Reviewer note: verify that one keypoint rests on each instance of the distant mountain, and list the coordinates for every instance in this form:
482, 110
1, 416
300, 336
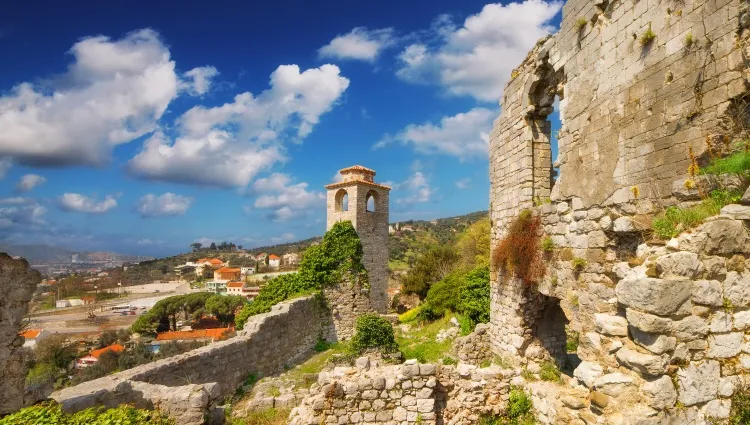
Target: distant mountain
38, 253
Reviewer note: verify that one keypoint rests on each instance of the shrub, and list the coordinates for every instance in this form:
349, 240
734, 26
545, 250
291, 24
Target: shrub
648, 36
373, 331
689, 40
51, 413
578, 263
276, 290
444, 295
518, 411
548, 245
449, 361
572, 340
676, 220
740, 411
429, 269
322, 345
518, 253
409, 315
549, 372
474, 296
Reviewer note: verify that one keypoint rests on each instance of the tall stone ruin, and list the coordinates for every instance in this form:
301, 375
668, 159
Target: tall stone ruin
359, 199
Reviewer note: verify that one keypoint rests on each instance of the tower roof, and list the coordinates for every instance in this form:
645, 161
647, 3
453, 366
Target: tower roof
356, 174
357, 169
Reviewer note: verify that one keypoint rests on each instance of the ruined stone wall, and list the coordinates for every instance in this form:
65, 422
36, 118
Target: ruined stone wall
268, 344
346, 302
17, 285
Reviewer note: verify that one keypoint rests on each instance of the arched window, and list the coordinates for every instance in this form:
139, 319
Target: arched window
371, 197
342, 200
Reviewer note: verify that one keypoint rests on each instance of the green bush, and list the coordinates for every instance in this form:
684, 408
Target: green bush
475, 295
518, 411
444, 295
52, 414
409, 315
676, 220
740, 411
429, 269
373, 331
549, 372
276, 290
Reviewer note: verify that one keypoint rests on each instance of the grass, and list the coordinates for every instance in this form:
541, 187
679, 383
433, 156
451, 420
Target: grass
581, 23
676, 220
518, 411
262, 417
572, 341
409, 315
420, 342
578, 263
648, 36
739, 163
549, 372
548, 245
740, 411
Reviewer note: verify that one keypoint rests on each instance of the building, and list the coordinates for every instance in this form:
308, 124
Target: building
261, 258
235, 288
33, 336
274, 261
207, 335
93, 357
226, 273
217, 286
359, 199
250, 291
187, 269
246, 271
291, 259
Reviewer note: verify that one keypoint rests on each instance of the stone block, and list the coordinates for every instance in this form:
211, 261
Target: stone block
737, 212
628, 225
648, 322
679, 264
698, 383
661, 392
608, 324
722, 346
737, 288
725, 237
707, 292
658, 296
655, 343
645, 364
614, 384
588, 372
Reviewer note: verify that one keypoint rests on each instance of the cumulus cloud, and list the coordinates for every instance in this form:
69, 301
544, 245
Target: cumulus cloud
228, 145
476, 59
75, 202
276, 192
20, 213
359, 44
464, 135
15, 201
417, 189
166, 205
29, 181
201, 79
113, 92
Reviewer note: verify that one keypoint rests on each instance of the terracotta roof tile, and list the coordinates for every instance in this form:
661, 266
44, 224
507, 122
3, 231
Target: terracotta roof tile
31, 333
273, 257
117, 348
357, 168
235, 284
216, 333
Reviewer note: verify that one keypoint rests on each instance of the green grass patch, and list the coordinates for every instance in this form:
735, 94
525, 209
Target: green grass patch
676, 220
409, 315
518, 411
549, 372
739, 163
262, 417
420, 344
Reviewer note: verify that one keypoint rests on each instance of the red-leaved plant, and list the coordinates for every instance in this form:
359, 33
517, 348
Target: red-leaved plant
519, 253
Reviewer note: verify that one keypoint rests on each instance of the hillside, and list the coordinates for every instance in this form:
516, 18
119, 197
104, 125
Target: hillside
413, 237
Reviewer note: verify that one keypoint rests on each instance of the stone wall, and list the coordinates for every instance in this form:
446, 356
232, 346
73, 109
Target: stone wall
17, 285
346, 303
268, 344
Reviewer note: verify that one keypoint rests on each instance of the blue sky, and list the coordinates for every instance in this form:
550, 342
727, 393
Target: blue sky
141, 128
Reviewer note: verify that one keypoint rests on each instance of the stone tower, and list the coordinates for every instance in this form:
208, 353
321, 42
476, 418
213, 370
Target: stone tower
359, 199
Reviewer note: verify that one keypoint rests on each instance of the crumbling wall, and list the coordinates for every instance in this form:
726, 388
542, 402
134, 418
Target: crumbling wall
268, 344
347, 302
17, 285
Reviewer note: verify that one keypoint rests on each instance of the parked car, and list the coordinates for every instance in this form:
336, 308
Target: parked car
132, 313
123, 313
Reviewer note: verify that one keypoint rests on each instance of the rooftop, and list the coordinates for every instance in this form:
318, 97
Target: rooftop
216, 333
30, 333
117, 348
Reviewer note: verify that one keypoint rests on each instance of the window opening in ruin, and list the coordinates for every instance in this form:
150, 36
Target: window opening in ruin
370, 201
550, 331
342, 200
555, 119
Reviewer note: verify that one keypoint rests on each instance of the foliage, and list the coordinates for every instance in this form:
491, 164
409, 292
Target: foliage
549, 372
41, 373
475, 295
373, 331
409, 316
338, 257
689, 40
322, 345
738, 163
581, 23
111, 336
518, 411
429, 269
740, 411
53, 350
163, 315
51, 413
223, 307
648, 36
676, 220
449, 361
548, 245
572, 340
443, 296
419, 343
578, 263
519, 252
474, 244
270, 416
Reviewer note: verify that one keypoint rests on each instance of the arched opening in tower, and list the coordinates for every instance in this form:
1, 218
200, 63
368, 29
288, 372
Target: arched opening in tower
370, 201
342, 200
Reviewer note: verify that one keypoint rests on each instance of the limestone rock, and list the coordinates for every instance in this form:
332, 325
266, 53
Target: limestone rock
599, 399
648, 322
614, 384
746, 197
588, 372
628, 225
608, 324
658, 296
661, 392
737, 288
645, 364
680, 264
724, 237
655, 343
698, 383
722, 346
707, 292
718, 409
690, 328
737, 212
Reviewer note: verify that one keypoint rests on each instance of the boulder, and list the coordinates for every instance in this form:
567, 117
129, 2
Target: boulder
608, 324
746, 197
661, 392
725, 237
737, 212
588, 372
680, 264
722, 346
645, 364
614, 384
698, 383
658, 296
737, 288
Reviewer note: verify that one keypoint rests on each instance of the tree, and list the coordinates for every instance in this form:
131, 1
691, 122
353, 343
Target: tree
429, 268
54, 350
474, 297
224, 307
474, 244
196, 246
213, 246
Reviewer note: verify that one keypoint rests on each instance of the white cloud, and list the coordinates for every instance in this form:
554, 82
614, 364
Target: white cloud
417, 188
464, 135
464, 183
15, 201
286, 237
149, 242
285, 199
29, 181
21, 213
75, 202
5, 164
359, 44
228, 145
201, 79
113, 92
477, 59
166, 205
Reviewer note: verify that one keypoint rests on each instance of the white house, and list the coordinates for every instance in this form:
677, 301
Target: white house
244, 271
274, 261
33, 336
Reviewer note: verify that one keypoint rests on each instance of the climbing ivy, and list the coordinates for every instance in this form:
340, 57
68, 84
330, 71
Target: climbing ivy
338, 258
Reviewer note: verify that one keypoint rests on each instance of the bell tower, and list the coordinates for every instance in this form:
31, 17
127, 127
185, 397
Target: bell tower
359, 199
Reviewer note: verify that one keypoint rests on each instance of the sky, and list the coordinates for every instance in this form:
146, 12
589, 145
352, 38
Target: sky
142, 127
